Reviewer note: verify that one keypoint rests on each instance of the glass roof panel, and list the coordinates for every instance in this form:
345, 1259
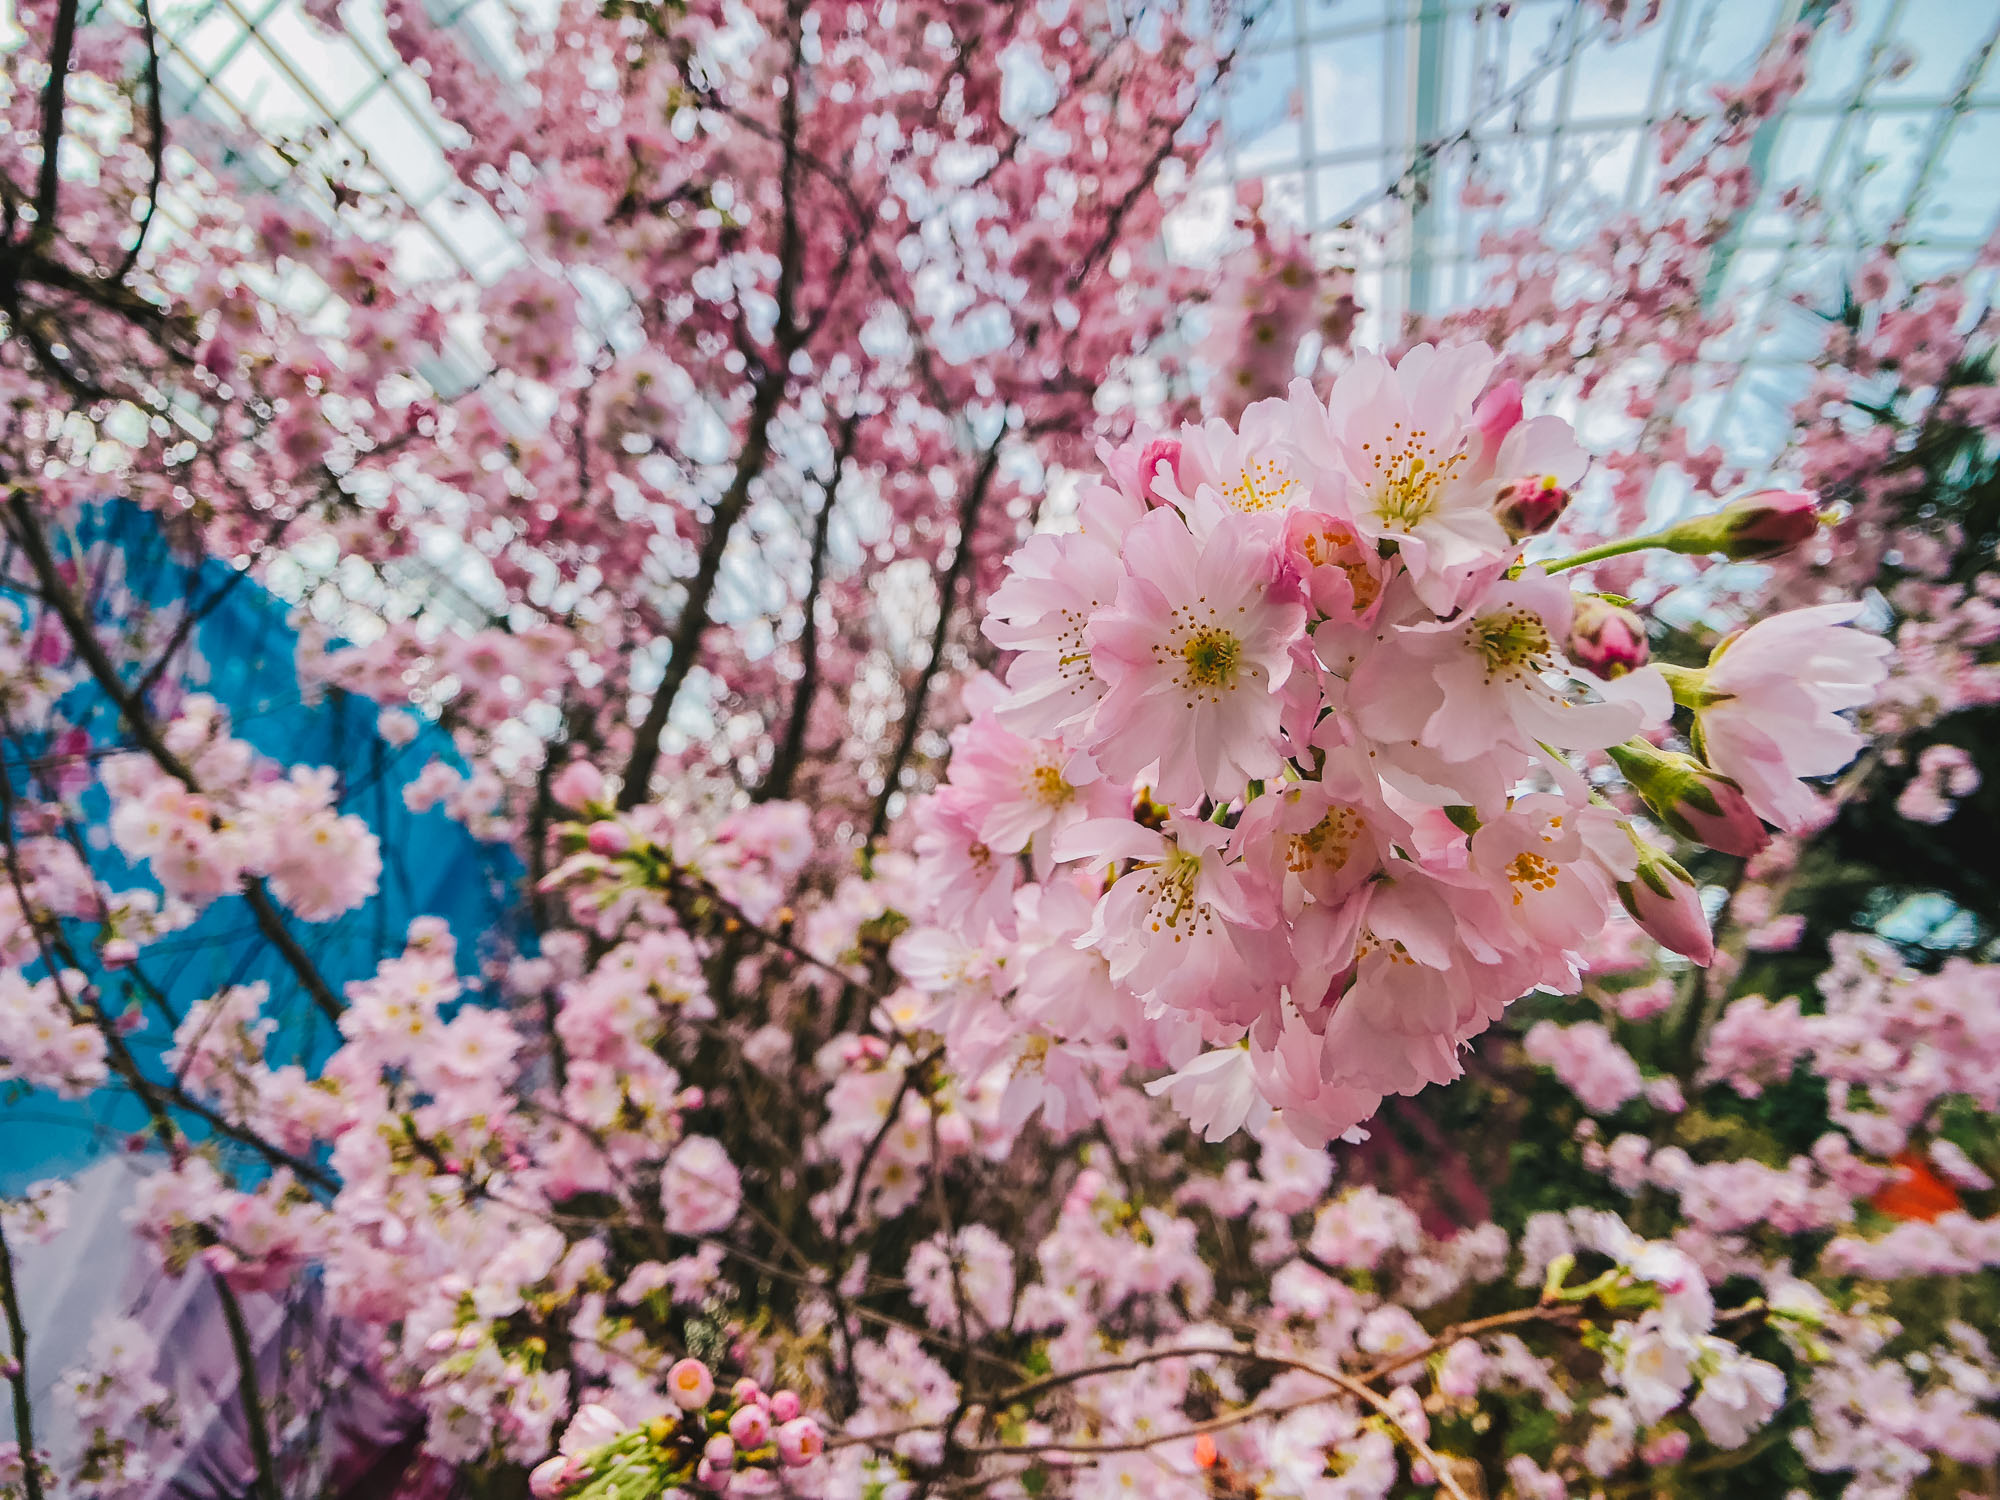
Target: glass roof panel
1340, 108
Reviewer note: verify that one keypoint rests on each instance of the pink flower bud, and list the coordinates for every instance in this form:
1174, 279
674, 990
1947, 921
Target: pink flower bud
745, 1390
1531, 505
118, 952
720, 1451
1340, 573
689, 1384
750, 1426
1160, 451
1669, 1447
1497, 414
784, 1405
1715, 812
1607, 639
608, 838
549, 1478
1767, 524
1770, 523
1664, 902
577, 784
1691, 799
800, 1442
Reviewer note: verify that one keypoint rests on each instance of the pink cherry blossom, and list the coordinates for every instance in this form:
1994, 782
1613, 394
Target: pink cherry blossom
1773, 699
1194, 652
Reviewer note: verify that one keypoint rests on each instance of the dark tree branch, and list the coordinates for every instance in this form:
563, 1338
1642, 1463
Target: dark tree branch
920, 691
767, 393
156, 143
785, 759
254, 1425
55, 96
694, 620
195, 614
154, 1094
17, 1375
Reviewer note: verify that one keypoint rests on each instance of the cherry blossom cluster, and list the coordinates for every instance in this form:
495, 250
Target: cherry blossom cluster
1279, 792
917, 842
43, 1041
1365, 1347
233, 816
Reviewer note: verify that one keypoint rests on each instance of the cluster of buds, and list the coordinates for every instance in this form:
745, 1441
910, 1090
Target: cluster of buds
733, 1445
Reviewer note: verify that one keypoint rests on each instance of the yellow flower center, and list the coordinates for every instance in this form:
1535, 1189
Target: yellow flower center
1261, 484
1329, 842
1048, 787
1332, 547
1511, 641
1367, 944
1409, 473
1211, 655
1533, 872
1171, 886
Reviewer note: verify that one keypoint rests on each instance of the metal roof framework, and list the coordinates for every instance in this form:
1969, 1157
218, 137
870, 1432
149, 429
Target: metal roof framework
1361, 119
1367, 115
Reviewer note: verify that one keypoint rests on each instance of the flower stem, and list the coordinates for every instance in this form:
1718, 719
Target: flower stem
1609, 549
17, 1335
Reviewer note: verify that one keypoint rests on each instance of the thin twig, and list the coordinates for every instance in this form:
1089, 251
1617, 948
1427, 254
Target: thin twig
17, 1375
961, 560
246, 1386
156, 143
55, 99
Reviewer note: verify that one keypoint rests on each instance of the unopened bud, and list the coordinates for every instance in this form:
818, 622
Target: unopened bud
1663, 900
1607, 638
1497, 414
1160, 451
608, 838
1530, 506
1767, 524
1696, 802
549, 1478
1148, 813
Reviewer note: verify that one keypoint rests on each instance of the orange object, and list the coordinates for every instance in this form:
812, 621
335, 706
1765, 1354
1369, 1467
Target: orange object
1916, 1193
1204, 1451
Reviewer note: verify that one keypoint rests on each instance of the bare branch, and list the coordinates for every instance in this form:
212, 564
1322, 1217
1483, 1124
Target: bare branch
920, 691
17, 1374
156, 142
55, 96
254, 1425
777, 782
